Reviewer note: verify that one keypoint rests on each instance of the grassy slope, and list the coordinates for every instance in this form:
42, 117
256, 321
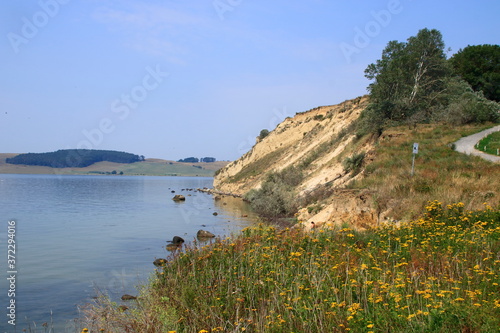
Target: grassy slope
440, 172
150, 167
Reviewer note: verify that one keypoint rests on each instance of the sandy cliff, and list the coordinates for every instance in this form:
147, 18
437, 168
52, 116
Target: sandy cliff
318, 141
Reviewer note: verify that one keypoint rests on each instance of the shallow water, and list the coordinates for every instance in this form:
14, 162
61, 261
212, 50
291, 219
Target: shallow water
78, 234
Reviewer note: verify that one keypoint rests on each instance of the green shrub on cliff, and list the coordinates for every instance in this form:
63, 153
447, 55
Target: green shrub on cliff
276, 196
263, 134
354, 163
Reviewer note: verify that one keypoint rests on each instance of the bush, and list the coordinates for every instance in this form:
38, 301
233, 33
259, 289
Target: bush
353, 163
276, 196
263, 134
464, 106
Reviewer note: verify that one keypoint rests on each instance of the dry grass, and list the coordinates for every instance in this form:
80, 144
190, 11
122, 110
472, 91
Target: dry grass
440, 172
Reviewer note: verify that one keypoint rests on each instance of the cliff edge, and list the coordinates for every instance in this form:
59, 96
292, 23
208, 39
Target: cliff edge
317, 141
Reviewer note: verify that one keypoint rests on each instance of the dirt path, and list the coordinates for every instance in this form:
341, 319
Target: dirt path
466, 145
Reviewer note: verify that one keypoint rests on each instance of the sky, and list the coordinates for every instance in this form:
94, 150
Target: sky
172, 79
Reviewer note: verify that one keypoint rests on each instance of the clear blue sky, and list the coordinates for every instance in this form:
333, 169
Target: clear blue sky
172, 78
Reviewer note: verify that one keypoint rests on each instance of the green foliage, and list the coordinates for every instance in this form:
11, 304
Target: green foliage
408, 79
189, 160
276, 197
218, 171
414, 83
462, 105
263, 134
479, 65
73, 158
354, 163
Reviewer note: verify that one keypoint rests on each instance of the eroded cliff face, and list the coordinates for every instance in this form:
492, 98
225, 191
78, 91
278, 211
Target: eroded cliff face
317, 141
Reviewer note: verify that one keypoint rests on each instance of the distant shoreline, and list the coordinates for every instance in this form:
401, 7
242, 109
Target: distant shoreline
149, 167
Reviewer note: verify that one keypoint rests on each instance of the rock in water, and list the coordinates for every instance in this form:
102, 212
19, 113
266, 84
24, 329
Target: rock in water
204, 234
160, 262
179, 197
175, 243
177, 240
128, 297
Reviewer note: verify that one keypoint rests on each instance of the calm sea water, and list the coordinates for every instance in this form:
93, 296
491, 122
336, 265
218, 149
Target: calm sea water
78, 234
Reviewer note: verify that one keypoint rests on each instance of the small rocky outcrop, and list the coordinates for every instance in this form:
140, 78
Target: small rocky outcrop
128, 297
204, 234
179, 197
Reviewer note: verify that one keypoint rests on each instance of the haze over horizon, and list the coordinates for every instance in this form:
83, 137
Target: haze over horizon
168, 79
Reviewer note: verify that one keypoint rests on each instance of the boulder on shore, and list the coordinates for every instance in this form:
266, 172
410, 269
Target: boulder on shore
204, 234
179, 197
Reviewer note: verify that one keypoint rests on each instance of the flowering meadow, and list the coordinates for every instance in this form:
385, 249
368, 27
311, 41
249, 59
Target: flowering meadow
440, 273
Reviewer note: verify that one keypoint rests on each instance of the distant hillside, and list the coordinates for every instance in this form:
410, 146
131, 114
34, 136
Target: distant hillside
148, 167
73, 158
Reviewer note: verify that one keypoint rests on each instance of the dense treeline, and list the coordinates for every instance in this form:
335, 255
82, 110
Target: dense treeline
189, 160
74, 158
479, 65
196, 160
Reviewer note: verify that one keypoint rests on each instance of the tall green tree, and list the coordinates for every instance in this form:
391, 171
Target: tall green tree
479, 65
409, 79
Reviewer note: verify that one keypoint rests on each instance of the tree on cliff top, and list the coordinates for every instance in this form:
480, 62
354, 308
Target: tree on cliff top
409, 78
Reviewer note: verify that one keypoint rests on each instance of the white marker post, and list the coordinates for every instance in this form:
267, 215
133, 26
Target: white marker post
415, 152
